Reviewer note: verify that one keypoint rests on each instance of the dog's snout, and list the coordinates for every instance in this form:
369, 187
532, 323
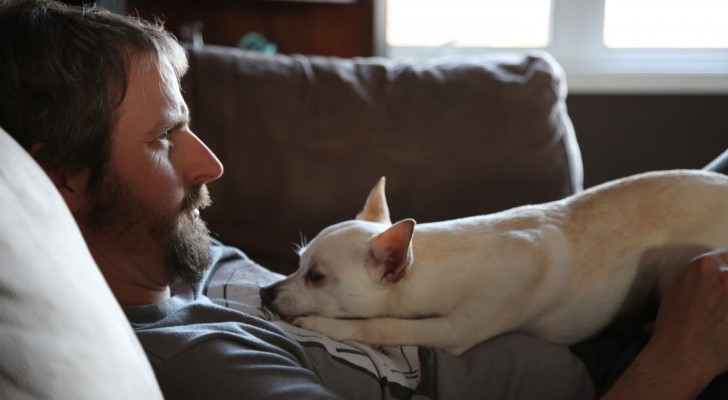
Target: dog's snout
268, 294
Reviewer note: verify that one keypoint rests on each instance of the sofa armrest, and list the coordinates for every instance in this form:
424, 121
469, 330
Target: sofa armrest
303, 139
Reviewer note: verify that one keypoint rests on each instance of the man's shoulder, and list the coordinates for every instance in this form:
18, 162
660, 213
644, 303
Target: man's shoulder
180, 324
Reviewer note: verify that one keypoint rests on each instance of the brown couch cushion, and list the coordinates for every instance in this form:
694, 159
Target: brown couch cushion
304, 139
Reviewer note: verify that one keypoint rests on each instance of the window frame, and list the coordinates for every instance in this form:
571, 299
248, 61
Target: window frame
576, 42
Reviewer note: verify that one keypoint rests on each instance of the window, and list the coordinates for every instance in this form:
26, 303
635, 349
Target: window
666, 24
603, 45
468, 23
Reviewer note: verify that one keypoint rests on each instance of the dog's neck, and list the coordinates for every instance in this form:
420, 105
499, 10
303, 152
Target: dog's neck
437, 252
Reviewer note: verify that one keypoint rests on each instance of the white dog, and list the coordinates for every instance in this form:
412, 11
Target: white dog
561, 270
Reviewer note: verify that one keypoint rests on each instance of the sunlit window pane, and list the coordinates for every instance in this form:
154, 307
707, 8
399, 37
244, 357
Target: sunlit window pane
666, 23
468, 23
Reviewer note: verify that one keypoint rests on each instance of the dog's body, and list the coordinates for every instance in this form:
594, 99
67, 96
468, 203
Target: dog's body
560, 270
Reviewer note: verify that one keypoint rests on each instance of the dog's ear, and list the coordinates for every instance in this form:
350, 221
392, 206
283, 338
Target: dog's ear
393, 249
376, 209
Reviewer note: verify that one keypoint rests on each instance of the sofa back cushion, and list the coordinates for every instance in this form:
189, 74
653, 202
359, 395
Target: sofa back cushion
62, 333
303, 140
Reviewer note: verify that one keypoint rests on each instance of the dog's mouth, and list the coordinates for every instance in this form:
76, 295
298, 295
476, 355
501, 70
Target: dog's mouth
273, 316
289, 319
272, 313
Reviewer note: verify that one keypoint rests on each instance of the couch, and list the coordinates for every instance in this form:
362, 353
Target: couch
303, 140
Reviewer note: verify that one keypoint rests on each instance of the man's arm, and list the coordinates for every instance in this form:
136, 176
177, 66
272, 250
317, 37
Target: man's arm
690, 344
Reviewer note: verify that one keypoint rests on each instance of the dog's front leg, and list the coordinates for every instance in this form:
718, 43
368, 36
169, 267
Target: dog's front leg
434, 332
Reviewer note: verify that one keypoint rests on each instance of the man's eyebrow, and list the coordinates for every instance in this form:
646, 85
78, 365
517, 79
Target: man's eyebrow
170, 123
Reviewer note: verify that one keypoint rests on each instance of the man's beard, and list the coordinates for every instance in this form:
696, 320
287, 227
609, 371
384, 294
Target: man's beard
183, 239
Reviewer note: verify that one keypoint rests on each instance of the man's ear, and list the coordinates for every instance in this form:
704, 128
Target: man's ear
72, 186
393, 249
375, 208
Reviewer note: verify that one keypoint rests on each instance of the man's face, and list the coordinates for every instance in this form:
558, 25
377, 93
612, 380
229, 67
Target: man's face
178, 232
149, 200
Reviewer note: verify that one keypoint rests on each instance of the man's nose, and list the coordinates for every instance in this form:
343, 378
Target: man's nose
201, 164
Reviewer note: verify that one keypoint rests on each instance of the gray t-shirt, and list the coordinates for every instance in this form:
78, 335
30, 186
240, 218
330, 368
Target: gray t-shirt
201, 350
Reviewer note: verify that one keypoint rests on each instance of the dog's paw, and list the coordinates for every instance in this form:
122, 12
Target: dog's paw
337, 329
311, 323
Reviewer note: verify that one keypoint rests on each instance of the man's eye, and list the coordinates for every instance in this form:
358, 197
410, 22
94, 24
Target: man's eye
166, 137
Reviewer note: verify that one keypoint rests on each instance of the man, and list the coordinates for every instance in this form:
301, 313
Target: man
95, 97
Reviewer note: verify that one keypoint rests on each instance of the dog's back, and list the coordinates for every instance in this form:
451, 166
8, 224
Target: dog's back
628, 238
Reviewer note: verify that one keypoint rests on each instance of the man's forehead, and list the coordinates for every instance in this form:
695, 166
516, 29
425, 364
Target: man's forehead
154, 76
153, 95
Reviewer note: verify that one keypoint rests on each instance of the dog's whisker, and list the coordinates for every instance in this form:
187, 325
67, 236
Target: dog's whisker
304, 240
298, 248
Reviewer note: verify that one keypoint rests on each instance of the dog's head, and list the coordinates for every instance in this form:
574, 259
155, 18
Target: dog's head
349, 269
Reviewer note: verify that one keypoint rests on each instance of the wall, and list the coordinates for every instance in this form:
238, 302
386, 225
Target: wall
304, 27
625, 134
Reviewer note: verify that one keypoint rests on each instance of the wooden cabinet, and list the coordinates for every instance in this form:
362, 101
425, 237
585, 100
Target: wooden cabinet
343, 28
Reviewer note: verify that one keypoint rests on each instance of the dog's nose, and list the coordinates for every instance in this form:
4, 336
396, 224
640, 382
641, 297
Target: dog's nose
267, 294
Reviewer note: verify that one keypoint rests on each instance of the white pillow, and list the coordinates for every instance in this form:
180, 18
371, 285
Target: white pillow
62, 333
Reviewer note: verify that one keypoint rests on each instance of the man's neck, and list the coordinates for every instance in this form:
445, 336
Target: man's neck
133, 279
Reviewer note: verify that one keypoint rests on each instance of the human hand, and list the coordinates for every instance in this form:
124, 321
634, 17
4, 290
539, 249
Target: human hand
692, 322
689, 346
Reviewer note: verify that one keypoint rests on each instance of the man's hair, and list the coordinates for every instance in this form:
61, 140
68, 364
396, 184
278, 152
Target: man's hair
64, 72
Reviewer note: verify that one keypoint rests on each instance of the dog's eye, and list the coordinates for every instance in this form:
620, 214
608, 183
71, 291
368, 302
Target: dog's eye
314, 276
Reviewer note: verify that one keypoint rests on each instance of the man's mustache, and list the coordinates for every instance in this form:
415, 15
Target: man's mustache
199, 198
